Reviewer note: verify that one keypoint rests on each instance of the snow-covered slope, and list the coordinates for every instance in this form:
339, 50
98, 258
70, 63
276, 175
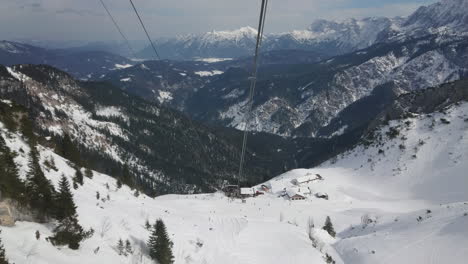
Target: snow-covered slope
399, 199
204, 228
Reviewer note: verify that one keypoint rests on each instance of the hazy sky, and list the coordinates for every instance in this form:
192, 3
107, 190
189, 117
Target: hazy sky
86, 20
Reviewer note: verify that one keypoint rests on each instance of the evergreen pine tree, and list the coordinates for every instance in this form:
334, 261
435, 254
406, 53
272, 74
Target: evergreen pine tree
3, 259
120, 247
88, 173
69, 151
126, 176
68, 231
159, 244
128, 247
329, 259
152, 242
75, 184
10, 184
329, 227
64, 205
78, 176
26, 128
147, 225
119, 184
40, 190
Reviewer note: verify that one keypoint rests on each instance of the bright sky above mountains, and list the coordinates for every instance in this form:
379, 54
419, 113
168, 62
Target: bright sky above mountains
85, 20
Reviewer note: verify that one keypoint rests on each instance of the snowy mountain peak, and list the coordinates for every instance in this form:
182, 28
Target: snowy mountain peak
327, 26
222, 35
347, 34
447, 13
241, 31
244, 32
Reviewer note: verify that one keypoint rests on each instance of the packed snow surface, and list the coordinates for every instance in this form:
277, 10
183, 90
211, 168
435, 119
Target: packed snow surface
388, 204
122, 66
164, 96
208, 73
213, 60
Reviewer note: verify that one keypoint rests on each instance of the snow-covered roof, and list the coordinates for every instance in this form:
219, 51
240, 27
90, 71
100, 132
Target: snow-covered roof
297, 191
275, 185
247, 191
306, 178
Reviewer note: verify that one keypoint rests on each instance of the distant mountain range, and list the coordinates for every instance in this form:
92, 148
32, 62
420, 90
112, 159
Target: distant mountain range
326, 37
81, 63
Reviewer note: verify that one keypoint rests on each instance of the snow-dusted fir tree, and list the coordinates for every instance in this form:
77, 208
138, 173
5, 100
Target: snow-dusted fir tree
78, 176
68, 231
3, 259
148, 225
65, 206
126, 177
329, 227
159, 244
10, 184
88, 173
120, 247
128, 247
40, 190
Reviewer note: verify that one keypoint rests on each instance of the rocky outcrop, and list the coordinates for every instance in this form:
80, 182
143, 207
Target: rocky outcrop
424, 101
6, 214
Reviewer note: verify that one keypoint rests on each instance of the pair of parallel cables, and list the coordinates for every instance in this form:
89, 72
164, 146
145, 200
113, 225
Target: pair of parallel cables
123, 35
253, 78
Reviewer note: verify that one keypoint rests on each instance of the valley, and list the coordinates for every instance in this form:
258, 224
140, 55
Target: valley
348, 146
375, 201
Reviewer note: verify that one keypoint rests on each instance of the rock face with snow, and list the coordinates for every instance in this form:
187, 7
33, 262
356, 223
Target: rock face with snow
332, 37
304, 100
164, 82
448, 15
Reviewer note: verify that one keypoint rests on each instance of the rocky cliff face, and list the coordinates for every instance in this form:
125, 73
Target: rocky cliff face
301, 100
